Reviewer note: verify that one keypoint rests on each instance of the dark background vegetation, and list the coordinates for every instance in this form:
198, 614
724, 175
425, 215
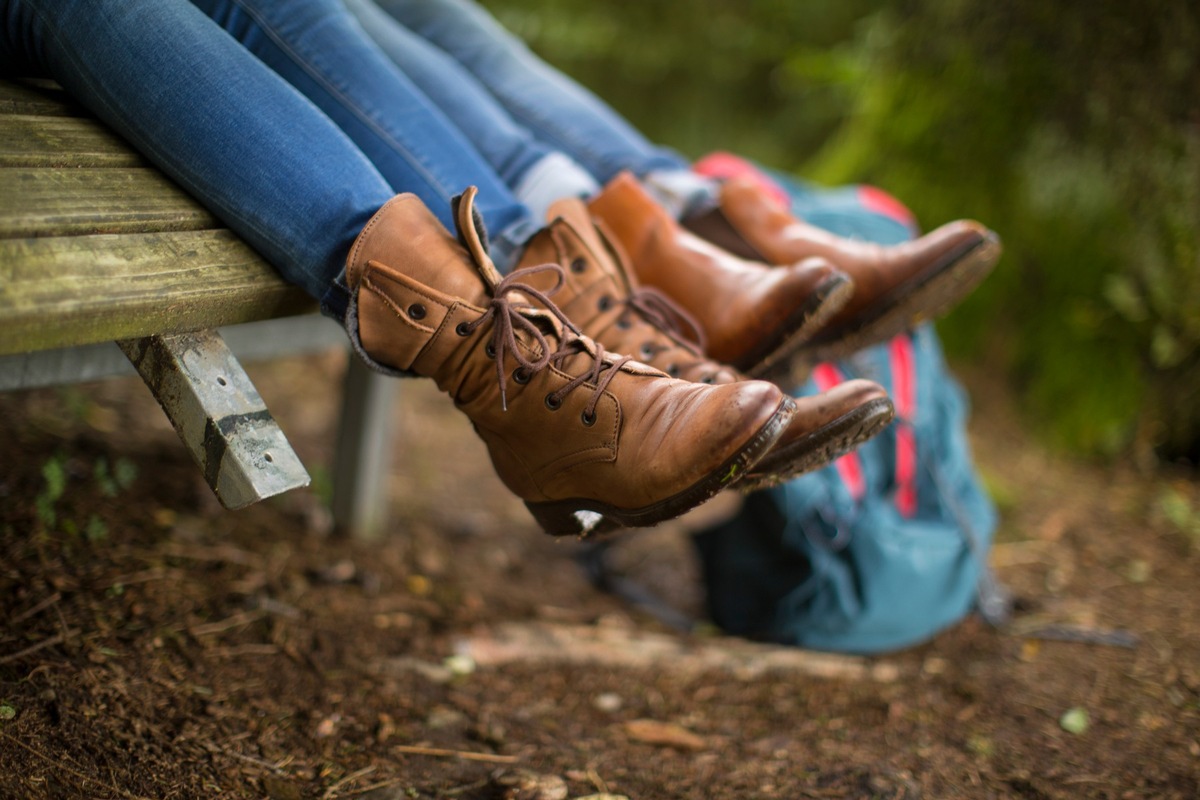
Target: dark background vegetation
1072, 129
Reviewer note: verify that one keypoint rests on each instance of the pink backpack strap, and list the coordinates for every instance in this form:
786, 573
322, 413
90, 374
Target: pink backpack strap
849, 466
904, 395
726, 166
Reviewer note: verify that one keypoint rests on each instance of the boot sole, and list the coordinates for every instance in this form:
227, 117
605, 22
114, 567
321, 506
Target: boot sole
830, 296
584, 517
820, 447
929, 297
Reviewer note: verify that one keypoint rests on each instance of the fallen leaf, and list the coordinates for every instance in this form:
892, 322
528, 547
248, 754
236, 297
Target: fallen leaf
1074, 720
664, 734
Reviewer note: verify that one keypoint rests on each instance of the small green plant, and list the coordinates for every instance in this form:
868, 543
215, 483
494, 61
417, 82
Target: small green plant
110, 481
1181, 513
54, 473
322, 484
96, 529
120, 477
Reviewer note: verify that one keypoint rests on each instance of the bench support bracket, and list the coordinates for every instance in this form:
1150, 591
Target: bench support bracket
218, 413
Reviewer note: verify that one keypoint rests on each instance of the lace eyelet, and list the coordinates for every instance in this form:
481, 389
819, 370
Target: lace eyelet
647, 350
579, 265
605, 303
707, 379
462, 329
673, 370
624, 323
588, 419
522, 375
416, 311
490, 350
552, 403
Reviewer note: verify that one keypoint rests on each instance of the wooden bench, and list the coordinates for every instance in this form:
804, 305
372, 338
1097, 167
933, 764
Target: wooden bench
107, 268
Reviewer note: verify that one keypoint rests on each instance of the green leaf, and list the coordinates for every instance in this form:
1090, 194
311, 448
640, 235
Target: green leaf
1122, 295
96, 529
55, 476
1165, 348
125, 472
1075, 720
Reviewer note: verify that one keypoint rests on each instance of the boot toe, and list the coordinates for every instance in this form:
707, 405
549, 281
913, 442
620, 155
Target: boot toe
825, 427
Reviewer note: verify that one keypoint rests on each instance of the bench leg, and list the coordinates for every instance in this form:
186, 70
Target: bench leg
363, 458
219, 415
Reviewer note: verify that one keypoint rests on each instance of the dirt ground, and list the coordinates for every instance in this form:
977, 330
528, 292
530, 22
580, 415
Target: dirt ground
153, 645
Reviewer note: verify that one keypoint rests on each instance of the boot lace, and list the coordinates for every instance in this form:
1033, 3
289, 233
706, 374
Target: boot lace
509, 318
683, 329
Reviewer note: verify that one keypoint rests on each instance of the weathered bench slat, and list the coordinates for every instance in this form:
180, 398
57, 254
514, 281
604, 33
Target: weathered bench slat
61, 202
37, 97
101, 288
38, 141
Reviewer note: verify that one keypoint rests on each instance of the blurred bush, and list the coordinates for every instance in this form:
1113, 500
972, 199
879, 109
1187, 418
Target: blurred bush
1072, 129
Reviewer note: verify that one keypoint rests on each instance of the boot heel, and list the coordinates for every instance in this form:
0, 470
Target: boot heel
567, 519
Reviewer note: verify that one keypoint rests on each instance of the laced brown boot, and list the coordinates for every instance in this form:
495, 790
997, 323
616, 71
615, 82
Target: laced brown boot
754, 316
590, 441
601, 295
895, 287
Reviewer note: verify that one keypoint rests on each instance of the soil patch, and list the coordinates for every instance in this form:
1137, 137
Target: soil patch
154, 645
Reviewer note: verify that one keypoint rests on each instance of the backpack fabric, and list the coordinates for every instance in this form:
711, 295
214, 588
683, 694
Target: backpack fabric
888, 546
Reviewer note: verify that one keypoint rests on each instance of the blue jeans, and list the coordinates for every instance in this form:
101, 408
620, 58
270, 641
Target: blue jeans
204, 110
464, 60
319, 48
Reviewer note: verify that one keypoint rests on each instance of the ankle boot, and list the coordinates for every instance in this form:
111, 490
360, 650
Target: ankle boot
895, 287
600, 294
754, 316
590, 441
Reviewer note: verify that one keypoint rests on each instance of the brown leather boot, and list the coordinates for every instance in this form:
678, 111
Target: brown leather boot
895, 287
601, 295
590, 441
754, 316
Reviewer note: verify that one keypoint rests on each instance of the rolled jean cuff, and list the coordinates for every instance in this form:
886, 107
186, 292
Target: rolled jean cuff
551, 178
507, 246
336, 300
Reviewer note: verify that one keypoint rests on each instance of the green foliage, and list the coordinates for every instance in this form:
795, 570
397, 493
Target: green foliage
766, 78
1072, 132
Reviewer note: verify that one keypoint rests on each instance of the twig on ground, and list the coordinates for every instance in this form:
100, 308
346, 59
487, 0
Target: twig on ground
249, 759
243, 650
42, 645
467, 755
373, 787
40, 607
222, 625
222, 553
331, 792
467, 788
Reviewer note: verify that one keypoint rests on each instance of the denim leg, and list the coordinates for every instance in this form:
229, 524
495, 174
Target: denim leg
210, 115
537, 175
554, 108
319, 48
508, 147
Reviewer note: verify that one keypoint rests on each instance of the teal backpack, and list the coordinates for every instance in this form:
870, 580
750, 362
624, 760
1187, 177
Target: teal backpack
880, 550
887, 546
